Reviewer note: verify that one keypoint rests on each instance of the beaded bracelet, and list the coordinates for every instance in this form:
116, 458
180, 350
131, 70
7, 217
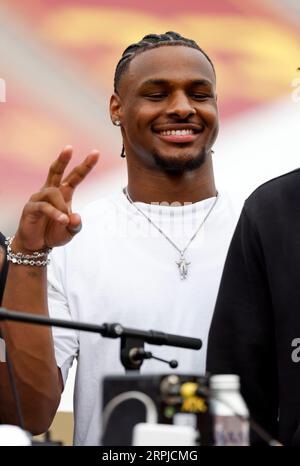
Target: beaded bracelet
37, 258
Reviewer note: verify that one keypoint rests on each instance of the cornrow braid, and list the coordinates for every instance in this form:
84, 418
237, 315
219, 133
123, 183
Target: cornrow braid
152, 41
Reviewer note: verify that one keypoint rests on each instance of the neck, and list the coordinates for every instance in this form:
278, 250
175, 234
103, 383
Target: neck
154, 186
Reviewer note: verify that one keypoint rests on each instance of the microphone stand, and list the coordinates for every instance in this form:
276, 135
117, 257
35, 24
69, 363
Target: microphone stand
132, 340
132, 345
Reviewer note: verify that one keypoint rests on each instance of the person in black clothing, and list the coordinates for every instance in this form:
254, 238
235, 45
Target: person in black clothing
3, 265
256, 321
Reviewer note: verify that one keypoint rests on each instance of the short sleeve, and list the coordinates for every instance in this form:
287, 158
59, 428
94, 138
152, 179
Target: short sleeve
66, 342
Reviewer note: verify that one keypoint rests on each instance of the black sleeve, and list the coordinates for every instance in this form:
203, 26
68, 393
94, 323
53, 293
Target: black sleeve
242, 336
3, 267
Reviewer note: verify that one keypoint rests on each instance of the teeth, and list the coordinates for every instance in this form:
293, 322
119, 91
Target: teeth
177, 132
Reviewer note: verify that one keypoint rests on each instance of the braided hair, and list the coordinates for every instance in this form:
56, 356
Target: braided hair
152, 41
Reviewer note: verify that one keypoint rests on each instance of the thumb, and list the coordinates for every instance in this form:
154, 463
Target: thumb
74, 226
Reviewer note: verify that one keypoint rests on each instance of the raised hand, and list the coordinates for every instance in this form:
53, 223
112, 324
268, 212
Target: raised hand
47, 219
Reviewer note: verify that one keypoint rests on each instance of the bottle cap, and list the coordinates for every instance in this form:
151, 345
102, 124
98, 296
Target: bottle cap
225, 382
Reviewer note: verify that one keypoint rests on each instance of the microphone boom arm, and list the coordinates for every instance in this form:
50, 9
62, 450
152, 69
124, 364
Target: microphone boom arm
107, 330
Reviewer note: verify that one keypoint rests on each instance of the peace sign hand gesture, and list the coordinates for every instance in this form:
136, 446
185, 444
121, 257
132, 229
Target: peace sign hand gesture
47, 219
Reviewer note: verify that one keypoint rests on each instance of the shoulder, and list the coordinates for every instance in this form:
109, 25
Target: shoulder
286, 182
276, 194
101, 208
98, 217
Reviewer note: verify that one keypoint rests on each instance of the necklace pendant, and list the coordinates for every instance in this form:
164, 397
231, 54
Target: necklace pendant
182, 265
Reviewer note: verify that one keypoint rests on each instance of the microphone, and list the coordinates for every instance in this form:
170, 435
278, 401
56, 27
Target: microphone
175, 340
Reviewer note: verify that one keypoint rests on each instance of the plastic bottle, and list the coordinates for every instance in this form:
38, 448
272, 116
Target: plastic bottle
229, 411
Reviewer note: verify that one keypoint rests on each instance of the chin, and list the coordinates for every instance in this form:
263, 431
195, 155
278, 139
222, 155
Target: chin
180, 163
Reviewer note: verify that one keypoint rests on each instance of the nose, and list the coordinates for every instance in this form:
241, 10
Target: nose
180, 106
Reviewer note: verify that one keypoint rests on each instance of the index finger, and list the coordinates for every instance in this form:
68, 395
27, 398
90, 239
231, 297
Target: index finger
79, 173
57, 169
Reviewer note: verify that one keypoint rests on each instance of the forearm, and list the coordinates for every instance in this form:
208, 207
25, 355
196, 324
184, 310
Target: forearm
47, 221
31, 351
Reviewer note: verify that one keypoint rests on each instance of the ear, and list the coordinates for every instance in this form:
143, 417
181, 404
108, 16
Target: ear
115, 107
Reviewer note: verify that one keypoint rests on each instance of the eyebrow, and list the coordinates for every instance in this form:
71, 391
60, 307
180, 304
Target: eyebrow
160, 82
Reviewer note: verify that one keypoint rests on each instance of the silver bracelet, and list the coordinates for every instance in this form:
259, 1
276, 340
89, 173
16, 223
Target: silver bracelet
37, 258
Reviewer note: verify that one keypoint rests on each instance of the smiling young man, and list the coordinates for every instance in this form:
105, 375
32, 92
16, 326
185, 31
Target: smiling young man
150, 256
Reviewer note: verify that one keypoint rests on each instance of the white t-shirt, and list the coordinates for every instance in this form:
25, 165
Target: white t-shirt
119, 268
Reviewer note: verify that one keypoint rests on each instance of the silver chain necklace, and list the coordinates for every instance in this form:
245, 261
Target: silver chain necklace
182, 264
